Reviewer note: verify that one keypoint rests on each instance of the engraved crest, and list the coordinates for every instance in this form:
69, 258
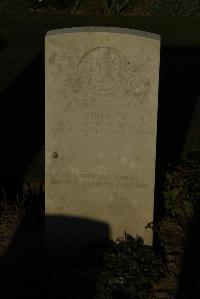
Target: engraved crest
103, 70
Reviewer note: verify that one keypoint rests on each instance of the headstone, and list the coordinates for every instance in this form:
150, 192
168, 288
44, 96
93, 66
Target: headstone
101, 124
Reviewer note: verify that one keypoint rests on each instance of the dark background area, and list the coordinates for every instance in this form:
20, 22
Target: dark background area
22, 125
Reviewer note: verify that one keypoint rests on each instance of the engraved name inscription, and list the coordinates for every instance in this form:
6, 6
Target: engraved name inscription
102, 119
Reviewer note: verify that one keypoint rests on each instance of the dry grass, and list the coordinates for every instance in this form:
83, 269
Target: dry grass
11, 214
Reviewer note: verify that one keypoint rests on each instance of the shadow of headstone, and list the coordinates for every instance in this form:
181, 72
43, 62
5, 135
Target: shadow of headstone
189, 280
74, 245
3, 43
22, 122
66, 235
178, 93
30, 270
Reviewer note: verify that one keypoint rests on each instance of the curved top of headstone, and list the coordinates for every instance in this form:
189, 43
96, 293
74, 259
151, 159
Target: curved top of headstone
104, 29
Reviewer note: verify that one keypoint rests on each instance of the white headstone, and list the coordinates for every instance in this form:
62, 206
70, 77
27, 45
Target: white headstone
101, 123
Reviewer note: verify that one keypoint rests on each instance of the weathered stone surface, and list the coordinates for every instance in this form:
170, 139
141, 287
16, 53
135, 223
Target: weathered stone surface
101, 118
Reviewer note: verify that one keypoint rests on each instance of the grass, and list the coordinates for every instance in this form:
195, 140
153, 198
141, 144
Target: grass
110, 7
114, 7
11, 215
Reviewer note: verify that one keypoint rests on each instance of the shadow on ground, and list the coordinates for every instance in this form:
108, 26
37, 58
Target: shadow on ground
3, 43
189, 280
66, 270
22, 122
178, 92
179, 88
